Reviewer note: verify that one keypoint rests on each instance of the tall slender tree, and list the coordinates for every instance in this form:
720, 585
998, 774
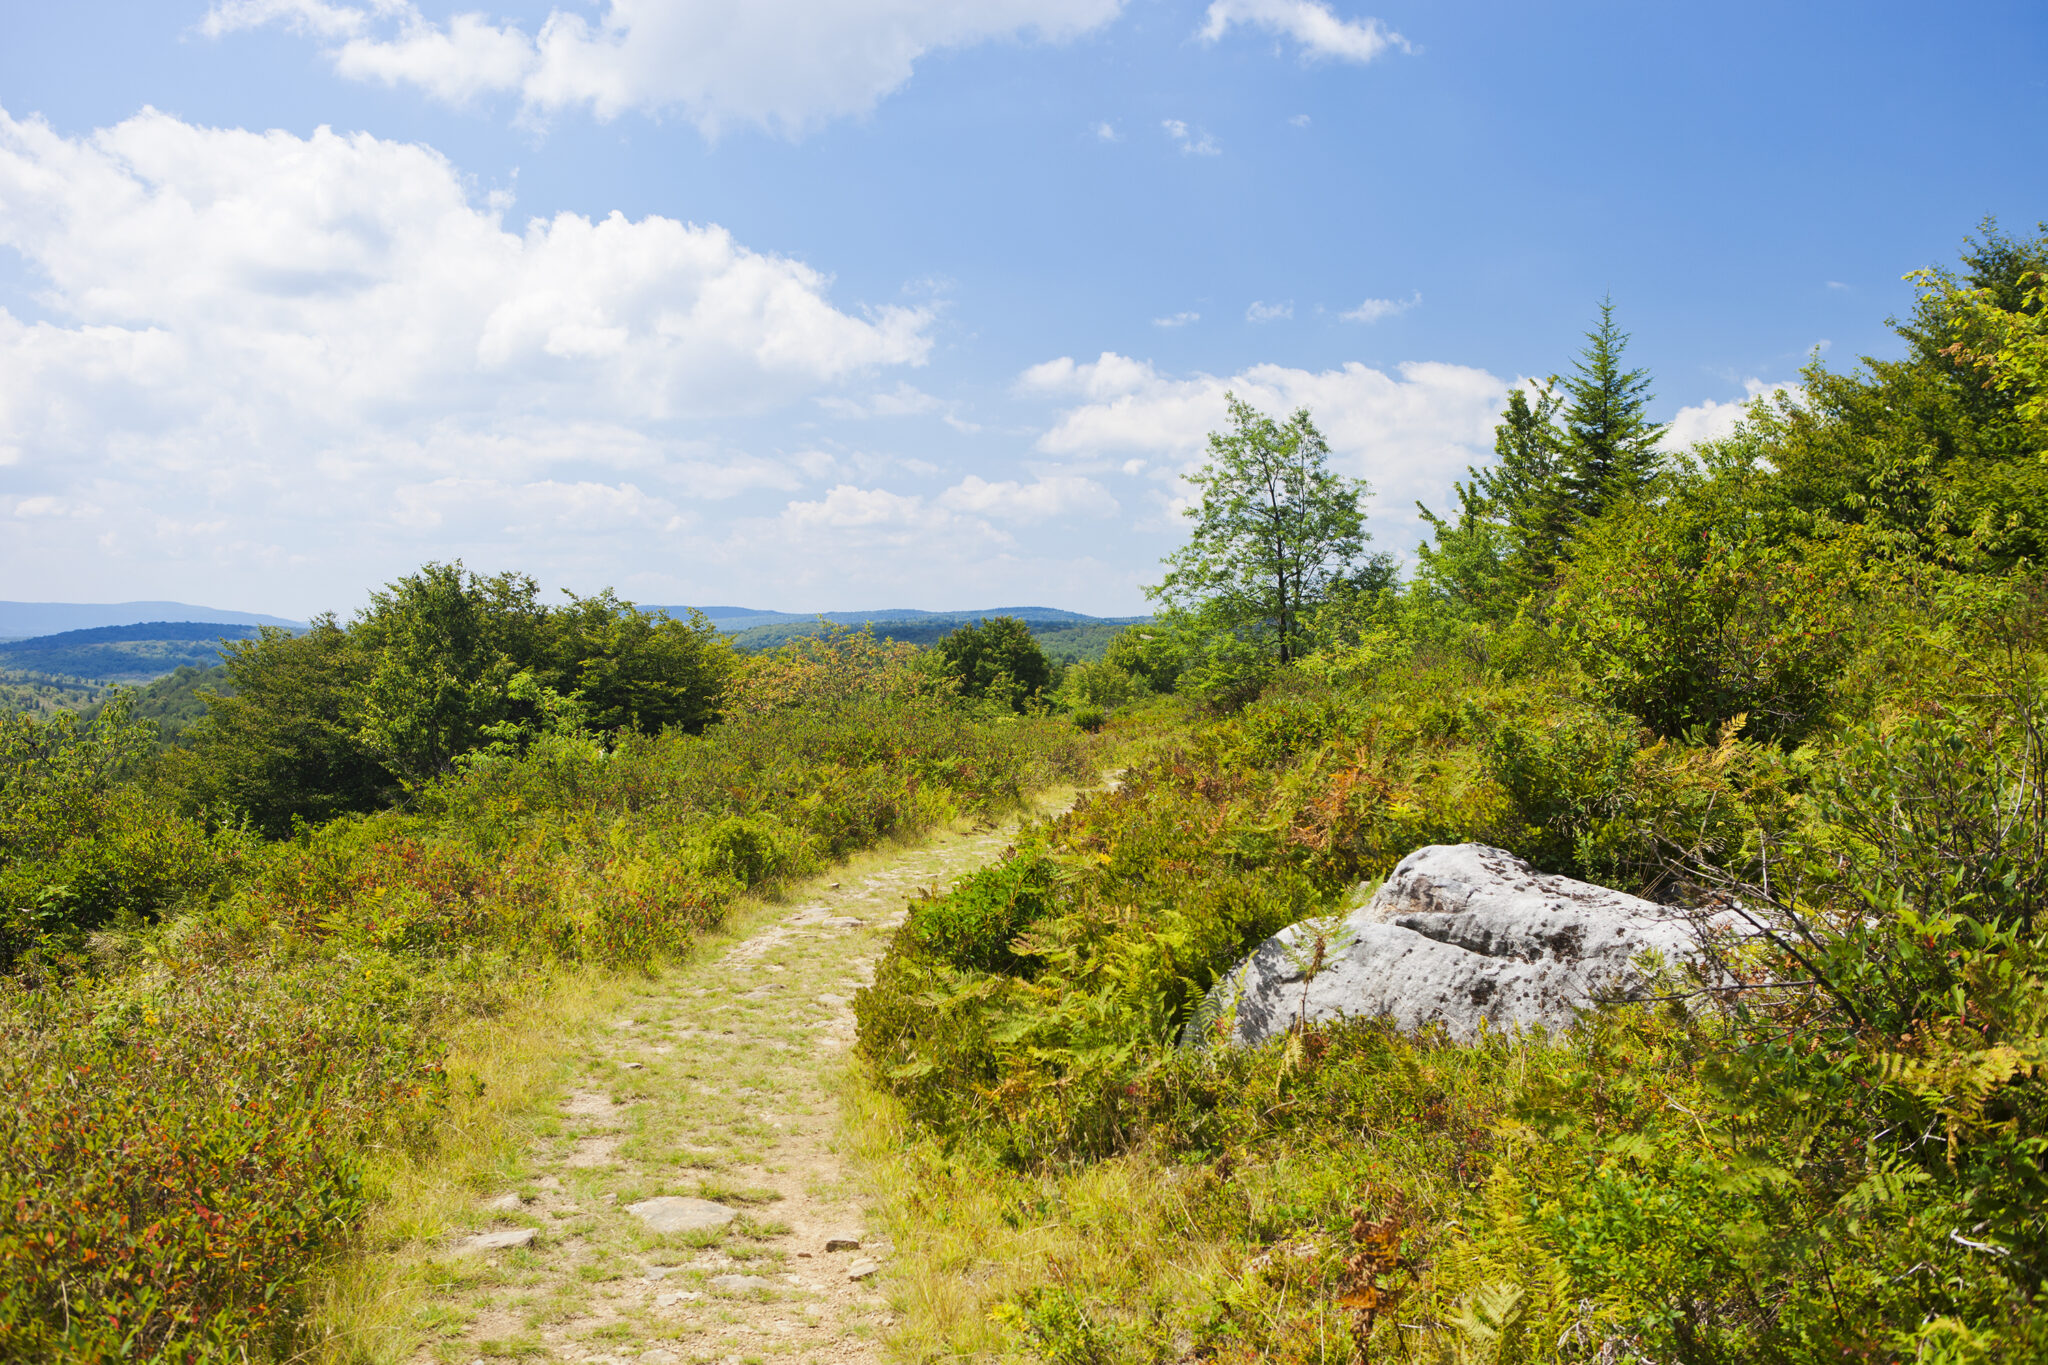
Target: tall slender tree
1274, 530
1610, 442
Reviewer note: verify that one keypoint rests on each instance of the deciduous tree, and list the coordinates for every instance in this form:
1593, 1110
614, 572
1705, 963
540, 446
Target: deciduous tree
1275, 528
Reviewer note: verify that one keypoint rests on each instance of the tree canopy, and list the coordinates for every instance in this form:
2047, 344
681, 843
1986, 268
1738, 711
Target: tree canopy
998, 660
441, 664
1275, 528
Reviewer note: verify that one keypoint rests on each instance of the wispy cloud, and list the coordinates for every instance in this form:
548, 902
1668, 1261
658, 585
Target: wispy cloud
1372, 310
1301, 120
1177, 320
1269, 312
1311, 23
1192, 143
789, 65
1107, 132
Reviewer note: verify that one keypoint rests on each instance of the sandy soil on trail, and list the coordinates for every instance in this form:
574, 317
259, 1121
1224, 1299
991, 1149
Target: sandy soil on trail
714, 1083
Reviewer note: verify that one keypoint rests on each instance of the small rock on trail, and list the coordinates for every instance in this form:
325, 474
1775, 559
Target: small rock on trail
673, 1214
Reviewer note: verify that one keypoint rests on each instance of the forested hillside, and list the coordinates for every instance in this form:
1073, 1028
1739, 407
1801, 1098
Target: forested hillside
1065, 636
1801, 673
124, 654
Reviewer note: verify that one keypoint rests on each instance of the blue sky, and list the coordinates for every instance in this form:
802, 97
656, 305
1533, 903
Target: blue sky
906, 302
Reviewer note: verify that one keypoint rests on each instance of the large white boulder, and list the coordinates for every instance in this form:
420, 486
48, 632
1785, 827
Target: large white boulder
1458, 934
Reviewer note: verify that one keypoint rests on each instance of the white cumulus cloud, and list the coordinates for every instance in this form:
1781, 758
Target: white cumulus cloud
1310, 23
1269, 312
1177, 320
1711, 420
783, 64
258, 347
1410, 432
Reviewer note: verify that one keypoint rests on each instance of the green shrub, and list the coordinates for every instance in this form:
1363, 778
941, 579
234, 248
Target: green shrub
973, 925
84, 843
1688, 615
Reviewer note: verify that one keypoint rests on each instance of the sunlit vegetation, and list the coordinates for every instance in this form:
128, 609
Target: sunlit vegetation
234, 967
1803, 670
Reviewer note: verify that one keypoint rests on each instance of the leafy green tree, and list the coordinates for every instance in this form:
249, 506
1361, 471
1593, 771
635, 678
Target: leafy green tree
998, 660
636, 670
1146, 653
1610, 443
1274, 530
443, 646
443, 664
1927, 457
279, 740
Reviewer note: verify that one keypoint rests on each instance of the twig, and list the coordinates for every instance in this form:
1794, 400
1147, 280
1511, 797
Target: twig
1704, 990
1955, 1235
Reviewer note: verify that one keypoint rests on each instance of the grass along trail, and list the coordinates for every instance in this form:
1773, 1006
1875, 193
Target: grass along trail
677, 1189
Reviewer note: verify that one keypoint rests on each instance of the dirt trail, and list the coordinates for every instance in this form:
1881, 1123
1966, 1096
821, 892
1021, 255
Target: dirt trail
712, 1091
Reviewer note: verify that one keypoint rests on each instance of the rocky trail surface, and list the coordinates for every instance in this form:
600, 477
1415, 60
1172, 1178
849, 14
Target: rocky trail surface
689, 1201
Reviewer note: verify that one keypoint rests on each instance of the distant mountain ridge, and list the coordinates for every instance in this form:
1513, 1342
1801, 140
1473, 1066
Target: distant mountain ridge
134, 653
20, 619
736, 619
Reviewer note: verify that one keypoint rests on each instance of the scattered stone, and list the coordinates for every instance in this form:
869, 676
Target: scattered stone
630, 1066
862, 1267
843, 922
739, 1284
508, 1202
674, 1213
674, 1297
842, 1241
833, 887
1459, 934
503, 1240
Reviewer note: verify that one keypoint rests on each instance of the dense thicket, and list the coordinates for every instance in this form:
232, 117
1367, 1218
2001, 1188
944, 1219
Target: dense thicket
1803, 670
441, 664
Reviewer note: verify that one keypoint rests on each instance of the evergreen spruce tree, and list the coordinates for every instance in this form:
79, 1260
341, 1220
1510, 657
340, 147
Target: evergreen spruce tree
1503, 540
1610, 444
1526, 484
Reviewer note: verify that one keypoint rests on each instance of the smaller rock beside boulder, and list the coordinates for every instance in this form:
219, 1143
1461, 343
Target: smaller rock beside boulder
1459, 934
